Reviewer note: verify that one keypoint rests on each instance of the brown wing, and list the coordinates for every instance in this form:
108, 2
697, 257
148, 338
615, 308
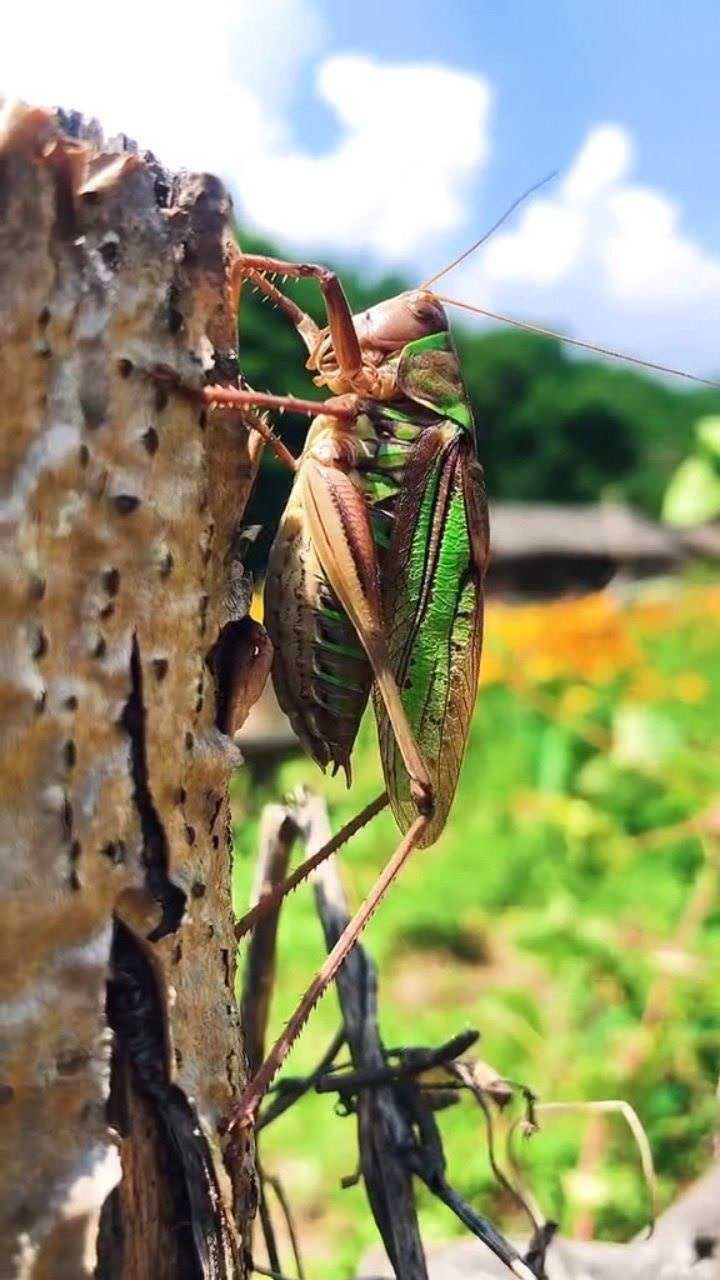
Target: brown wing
341, 531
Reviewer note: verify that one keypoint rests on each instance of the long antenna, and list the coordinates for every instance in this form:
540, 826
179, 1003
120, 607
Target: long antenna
486, 236
578, 342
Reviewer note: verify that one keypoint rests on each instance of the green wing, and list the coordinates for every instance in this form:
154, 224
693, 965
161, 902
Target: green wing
429, 373
433, 608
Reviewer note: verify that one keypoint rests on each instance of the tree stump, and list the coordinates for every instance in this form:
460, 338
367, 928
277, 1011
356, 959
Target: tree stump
120, 507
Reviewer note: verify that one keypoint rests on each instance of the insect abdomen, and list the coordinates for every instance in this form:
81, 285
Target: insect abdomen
320, 671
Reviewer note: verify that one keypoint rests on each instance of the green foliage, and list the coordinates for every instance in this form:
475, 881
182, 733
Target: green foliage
693, 494
550, 916
551, 427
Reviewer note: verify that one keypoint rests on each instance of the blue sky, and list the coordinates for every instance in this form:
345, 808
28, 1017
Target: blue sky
393, 133
558, 68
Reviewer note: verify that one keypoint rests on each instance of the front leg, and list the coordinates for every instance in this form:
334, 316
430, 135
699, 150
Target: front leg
245, 400
340, 320
309, 331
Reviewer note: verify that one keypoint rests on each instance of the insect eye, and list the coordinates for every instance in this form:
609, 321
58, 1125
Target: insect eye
429, 312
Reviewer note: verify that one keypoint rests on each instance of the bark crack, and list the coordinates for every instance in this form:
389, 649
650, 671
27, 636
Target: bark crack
184, 1164
155, 843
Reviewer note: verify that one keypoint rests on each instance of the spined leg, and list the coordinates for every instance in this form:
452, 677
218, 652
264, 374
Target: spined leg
243, 1115
219, 397
270, 900
309, 331
340, 321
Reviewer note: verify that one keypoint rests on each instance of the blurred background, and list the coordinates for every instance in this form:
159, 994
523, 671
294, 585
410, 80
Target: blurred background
570, 911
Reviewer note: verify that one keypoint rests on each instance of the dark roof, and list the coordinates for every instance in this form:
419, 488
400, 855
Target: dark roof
609, 530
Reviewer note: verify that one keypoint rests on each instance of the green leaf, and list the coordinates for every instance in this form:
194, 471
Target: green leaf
708, 433
555, 760
693, 494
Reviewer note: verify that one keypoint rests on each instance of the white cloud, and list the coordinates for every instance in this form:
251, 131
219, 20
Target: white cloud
212, 89
412, 137
605, 259
544, 248
647, 257
217, 88
603, 160
183, 81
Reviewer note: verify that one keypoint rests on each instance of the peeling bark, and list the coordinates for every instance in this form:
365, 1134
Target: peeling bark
119, 506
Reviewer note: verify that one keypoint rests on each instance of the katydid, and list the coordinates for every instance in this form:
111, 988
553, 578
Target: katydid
375, 578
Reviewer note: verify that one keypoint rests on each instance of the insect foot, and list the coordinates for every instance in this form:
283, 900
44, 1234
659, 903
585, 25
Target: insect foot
242, 1117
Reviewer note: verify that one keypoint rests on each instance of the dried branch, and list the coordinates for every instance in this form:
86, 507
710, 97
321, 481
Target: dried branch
284, 1203
290, 1089
278, 833
467, 1076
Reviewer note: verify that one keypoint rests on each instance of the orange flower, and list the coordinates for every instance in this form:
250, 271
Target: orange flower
587, 637
593, 638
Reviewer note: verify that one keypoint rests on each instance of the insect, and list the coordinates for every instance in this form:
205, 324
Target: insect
375, 579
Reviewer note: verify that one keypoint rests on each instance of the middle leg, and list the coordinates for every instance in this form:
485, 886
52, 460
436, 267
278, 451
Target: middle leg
221, 397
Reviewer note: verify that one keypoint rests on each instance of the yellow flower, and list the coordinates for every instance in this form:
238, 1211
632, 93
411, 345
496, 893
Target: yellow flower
691, 687
577, 700
647, 686
542, 666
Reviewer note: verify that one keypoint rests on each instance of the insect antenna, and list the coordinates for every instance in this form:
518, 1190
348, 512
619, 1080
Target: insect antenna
487, 234
579, 342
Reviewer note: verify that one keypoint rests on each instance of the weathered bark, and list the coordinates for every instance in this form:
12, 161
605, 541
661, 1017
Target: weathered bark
119, 510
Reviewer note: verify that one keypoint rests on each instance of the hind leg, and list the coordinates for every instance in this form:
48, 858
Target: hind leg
243, 1115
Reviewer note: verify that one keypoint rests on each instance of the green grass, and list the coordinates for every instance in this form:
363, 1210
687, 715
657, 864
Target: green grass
544, 917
